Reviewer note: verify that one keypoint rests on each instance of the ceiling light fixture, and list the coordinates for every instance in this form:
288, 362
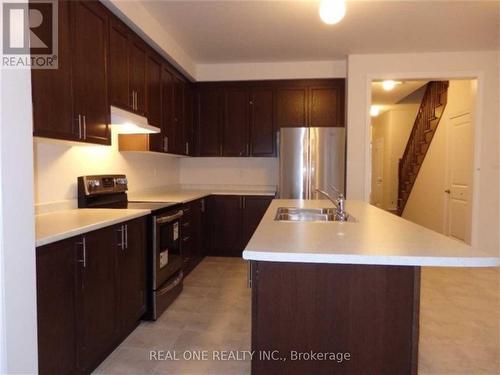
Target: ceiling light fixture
389, 84
332, 11
374, 110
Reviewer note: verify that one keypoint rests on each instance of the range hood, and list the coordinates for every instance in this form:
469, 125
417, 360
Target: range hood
125, 122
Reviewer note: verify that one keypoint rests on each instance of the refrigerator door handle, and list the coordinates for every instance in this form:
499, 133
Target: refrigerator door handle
307, 168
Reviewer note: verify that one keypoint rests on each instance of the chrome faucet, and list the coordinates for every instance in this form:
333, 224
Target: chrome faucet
339, 203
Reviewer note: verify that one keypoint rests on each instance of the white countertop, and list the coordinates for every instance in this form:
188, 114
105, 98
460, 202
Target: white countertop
56, 226
378, 238
184, 195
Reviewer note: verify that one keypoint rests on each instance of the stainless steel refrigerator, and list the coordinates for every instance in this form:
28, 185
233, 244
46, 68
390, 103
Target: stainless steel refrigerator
310, 159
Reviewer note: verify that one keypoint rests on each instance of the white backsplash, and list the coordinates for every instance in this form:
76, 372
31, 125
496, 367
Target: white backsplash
58, 164
229, 171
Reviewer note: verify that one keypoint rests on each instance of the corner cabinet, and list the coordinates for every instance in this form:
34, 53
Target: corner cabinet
90, 295
233, 220
71, 102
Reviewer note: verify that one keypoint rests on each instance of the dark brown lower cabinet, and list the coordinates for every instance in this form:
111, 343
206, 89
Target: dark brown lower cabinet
254, 208
193, 240
97, 297
233, 219
90, 295
131, 274
56, 298
367, 316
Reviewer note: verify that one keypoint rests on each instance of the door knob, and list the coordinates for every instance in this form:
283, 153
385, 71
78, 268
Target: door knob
447, 191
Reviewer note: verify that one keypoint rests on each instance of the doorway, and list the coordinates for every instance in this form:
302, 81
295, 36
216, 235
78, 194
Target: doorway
435, 189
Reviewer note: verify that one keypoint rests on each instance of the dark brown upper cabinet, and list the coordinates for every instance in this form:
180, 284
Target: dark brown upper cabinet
137, 74
291, 107
236, 122
311, 103
52, 93
178, 115
209, 117
327, 107
119, 88
154, 100
127, 67
189, 119
90, 35
71, 102
262, 128
167, 128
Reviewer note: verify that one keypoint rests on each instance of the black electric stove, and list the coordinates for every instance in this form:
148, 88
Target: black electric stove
164, 254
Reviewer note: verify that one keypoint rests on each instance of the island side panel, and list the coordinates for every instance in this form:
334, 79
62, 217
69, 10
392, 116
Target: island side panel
370, 312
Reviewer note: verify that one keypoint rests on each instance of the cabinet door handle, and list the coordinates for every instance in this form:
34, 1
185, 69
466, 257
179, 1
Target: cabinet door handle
244, 202
203, 205
121, 244
84, 127
187, 148
220, 149
249, 279
165, 144
126, 236
83, 244
136, 106
79, 126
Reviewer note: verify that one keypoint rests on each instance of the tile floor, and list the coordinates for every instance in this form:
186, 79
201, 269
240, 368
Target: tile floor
459, 329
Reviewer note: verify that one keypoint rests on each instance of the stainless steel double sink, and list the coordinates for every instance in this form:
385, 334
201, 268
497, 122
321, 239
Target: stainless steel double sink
308, 214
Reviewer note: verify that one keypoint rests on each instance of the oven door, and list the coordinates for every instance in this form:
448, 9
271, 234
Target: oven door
167, 259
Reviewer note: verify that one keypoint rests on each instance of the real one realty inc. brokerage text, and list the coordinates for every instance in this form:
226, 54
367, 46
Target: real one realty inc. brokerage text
246, 355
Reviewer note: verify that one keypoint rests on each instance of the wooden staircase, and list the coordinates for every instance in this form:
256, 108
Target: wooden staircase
426, 122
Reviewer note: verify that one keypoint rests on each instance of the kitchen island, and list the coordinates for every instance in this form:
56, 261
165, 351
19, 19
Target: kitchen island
343, 298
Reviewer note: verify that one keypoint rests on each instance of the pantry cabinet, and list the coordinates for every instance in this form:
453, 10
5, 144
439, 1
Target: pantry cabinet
90, 295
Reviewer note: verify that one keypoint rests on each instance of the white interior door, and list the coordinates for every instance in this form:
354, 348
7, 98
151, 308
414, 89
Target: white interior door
460, 176
377, 172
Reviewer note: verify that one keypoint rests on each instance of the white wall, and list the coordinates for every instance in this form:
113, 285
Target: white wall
135, 15
18, 325
58, 164
394, 126
273, 70
482, 65
427, 202
229, 171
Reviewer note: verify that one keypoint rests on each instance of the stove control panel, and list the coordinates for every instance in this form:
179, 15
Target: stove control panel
102, 184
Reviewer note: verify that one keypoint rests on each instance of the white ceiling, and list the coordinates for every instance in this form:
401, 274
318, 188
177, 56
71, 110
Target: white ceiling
269, 30
385, 98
